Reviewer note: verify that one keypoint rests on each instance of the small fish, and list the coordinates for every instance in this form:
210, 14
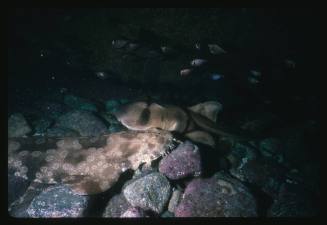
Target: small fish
132, 46
186, 72
166, 49
216, 76
216, 49
119, 43
197, 46
290, 63
102, 75
198, 62
255, 73
253, 80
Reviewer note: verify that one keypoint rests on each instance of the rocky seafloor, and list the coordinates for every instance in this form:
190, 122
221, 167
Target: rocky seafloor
54, 94
258, 180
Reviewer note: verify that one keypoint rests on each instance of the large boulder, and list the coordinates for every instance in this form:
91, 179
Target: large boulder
150, 192
218, 196
18, 126
83, 122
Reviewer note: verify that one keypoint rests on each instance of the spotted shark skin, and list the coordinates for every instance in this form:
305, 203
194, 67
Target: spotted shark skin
88, 166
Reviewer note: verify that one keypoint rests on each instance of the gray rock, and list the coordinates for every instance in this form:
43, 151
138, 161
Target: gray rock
150, 192
133, 212
16, 186
61, 132
271, 148
218, 196
184, 161
57, 201
18, 126
116, 206
174, 200
112, 105
167, 214
41, 125
294, 201
267, 174
78, 103
84, 122
19, 207
51, 110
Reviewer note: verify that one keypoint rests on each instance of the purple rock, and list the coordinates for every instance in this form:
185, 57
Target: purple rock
218, 196
184, 161
133, 212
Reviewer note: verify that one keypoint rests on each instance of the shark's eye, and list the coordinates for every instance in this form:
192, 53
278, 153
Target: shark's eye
144, 117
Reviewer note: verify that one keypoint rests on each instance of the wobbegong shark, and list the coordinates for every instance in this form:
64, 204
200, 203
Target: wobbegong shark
87, 165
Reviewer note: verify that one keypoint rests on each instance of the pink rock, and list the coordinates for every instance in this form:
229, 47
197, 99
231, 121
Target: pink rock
184, 161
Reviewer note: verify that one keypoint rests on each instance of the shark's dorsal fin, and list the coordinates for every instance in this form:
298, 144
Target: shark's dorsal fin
208, 109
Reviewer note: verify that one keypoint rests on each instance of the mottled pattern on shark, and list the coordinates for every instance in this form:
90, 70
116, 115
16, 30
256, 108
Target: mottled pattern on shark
87, 165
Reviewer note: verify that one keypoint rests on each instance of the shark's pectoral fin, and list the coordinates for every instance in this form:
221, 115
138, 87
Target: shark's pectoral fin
201, 137
208, 109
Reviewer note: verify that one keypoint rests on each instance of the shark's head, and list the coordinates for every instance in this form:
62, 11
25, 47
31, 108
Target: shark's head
134, 116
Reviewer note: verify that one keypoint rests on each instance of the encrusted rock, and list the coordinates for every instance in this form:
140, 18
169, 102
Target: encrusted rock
133, 212
294, 201
174, 200
116, 206
150, 192
57, 201
184, 161
266, 174
18, 126
79, 103
84, 122
218, 196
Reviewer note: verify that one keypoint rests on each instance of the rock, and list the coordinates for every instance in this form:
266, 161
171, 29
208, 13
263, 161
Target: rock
294, 201
271, 148
167, 214
268, 175
18, 126
133, 212
112, 105
174, 200
16, 186
218, 196
184, 161
150, 192
78, 103
61, 132
52, 110
116, 206
240, 154
19, 207
41, 126
57, 201
83, 122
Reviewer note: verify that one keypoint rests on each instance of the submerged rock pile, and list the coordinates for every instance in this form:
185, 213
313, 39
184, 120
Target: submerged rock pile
173, 182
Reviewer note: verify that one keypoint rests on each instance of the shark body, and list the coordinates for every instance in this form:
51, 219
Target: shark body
197, 123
